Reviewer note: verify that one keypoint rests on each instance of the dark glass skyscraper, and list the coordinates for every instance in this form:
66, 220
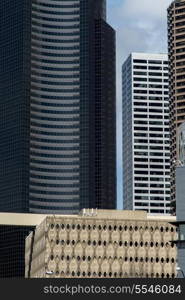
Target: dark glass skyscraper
12, 249
58, 110
15, 24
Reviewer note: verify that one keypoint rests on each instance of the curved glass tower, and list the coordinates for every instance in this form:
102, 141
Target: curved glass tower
55, 106
65, 154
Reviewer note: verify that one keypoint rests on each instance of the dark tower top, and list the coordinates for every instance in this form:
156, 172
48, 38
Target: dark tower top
100, 9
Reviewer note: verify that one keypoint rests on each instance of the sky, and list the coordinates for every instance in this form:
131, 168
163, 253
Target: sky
141, 26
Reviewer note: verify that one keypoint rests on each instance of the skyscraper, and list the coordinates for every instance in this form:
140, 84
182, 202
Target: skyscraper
146, 153
176, 49
58, 106
14, 228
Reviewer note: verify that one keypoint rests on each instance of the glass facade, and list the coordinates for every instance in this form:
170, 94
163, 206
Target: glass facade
105, 116
12, 250
58, 105
14, 105
55, 122
98, 114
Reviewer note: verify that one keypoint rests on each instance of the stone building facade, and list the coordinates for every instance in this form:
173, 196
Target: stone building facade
102, 244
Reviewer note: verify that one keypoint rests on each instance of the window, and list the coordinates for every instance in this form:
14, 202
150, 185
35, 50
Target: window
140, 61
154, 62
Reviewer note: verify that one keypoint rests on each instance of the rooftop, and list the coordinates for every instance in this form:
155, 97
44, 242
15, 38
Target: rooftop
16, 219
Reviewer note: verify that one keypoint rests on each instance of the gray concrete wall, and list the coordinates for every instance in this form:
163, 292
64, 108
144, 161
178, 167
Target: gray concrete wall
180, 193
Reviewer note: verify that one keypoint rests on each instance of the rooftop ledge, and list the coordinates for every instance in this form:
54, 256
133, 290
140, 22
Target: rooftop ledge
22, 219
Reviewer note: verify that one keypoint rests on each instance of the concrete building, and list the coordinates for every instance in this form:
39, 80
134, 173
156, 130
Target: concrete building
14, 228
102, 243
57, 106
180, 199
146, 152
176, 49
180, 223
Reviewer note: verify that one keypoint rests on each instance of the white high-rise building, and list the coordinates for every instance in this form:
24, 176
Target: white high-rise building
146, 152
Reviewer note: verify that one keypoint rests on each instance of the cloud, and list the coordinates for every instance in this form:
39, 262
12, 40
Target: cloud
141, 26
138, 8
